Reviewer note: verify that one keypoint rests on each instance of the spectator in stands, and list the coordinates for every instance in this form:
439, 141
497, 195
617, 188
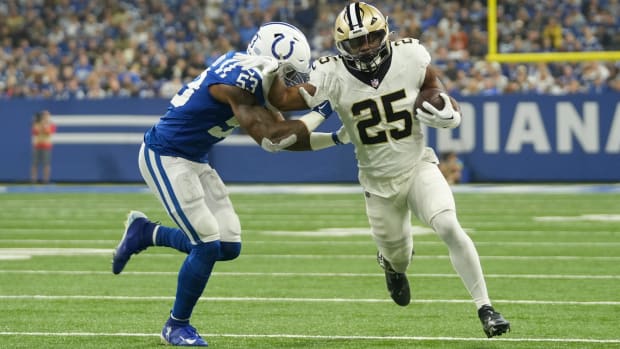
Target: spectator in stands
74, 90
542, 80
93, 38
570, 43
574, 86
567, 75
521, 76
589, 41
42, 131
553, 32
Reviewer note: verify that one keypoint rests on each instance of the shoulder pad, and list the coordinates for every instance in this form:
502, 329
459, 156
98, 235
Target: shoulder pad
412, 48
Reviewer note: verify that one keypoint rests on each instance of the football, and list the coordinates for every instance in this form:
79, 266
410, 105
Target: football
432, 96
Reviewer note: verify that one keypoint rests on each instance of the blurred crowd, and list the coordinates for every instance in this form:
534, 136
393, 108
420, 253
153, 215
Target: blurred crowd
80, 49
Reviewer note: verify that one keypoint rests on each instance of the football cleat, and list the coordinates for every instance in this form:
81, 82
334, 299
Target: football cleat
183, 336
397, 283
493, 323
132, 241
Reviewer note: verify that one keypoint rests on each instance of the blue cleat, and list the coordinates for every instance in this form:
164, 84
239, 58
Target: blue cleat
183, 336
132, 241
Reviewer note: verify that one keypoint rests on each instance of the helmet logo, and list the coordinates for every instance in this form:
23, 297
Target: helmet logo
354, 15
279, 37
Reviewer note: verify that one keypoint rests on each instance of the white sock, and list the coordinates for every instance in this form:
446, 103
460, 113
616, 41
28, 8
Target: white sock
463, 255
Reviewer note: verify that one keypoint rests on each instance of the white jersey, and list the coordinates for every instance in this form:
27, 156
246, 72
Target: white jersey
378, 115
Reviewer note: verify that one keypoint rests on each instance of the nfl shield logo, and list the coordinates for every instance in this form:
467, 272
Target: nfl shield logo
374, 82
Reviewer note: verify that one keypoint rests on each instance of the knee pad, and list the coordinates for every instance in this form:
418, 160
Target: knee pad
203, 256
204, 224
229, 251
229, 225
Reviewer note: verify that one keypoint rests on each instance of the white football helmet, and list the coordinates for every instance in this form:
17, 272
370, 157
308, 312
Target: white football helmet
288, 45
361, 36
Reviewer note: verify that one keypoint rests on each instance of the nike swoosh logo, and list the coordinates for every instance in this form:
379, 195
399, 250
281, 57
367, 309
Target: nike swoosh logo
188, 341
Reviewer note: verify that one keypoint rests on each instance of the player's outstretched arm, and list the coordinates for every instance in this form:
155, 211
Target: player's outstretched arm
258, 121
303, 96
288, 98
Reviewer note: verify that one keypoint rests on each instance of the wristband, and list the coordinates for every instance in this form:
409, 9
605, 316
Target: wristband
322, 140
325, 109
312, 120
336, 139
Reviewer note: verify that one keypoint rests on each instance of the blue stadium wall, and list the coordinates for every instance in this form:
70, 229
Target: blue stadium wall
514, 138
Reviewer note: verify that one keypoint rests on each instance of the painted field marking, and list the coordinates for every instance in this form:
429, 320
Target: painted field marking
303, 336
299, 300
310, 274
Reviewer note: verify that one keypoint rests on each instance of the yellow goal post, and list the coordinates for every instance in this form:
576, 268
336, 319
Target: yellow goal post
493, 55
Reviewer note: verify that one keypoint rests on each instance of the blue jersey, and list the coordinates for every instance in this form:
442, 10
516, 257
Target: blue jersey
195, 121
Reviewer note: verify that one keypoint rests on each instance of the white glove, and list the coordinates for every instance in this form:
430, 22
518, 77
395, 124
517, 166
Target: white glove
266, 65
444, 118
284, 143
328, 89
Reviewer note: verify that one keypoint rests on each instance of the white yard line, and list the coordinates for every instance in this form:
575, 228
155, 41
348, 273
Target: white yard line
344, 242
299, 300
25, 252
350, 188
303, 336
318, 274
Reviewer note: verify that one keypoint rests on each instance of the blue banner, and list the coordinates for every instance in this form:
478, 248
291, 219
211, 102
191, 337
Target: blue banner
537, 138
513, 138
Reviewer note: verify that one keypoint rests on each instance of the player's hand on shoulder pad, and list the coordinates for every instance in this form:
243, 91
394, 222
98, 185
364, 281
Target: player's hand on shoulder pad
328, 88
282, 144
448, 117
266, 65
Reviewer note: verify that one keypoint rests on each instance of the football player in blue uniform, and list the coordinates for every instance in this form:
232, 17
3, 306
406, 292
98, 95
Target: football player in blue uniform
174, 163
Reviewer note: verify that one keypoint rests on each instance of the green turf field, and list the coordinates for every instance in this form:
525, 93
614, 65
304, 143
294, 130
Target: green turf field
307, 276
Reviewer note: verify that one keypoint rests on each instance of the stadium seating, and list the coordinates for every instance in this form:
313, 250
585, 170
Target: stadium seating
121, 48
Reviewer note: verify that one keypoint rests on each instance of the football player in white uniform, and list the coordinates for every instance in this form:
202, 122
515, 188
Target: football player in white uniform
399, 174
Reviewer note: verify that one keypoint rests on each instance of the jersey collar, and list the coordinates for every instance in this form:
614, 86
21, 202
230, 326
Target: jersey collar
372, 79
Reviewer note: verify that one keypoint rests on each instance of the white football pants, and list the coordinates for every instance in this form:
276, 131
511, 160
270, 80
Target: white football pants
194, 196
429, 197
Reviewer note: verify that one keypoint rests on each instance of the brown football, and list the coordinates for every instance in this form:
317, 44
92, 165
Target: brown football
432, 96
